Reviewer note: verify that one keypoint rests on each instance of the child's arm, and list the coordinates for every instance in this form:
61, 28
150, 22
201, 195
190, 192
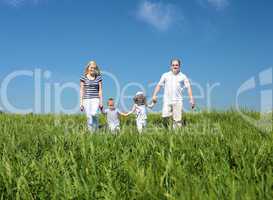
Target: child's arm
151, 105
130, 112
103, 111
122, 114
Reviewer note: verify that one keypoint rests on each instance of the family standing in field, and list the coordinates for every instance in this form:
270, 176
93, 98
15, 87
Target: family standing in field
173, 82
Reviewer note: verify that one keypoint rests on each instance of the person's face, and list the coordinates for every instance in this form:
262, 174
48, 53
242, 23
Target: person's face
111, 105
175, 67
92, 68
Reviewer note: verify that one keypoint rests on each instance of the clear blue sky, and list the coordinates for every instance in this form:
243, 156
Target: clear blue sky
225, 41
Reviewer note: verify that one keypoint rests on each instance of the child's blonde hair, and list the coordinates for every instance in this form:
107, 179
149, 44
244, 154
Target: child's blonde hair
98, 73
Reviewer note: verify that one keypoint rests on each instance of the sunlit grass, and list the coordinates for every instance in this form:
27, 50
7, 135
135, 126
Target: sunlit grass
216, 155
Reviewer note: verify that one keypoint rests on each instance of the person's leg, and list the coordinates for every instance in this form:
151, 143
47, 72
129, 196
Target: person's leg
140, 126
111, 127
177, 114
95, 122
114, 128
94, 109
117, 129
144, 124
87, 109
166, 115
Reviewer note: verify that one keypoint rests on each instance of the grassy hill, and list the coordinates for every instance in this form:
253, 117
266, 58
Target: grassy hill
217, 155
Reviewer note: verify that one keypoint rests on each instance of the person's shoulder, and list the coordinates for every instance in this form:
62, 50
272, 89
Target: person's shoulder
167, 73
83, 77
99, 78
182, 75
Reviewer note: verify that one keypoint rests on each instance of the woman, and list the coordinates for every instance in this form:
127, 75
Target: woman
91, 94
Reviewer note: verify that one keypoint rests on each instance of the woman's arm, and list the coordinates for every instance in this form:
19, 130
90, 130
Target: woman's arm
81, 93
100, 94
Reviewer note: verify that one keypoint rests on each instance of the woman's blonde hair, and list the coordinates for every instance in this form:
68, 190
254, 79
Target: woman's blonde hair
97, 70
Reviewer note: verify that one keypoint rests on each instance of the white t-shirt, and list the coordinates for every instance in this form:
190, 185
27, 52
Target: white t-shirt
112, 117
141, 112
173, 86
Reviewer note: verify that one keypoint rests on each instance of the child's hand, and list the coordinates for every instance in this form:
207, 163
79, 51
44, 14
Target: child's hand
151, 105
127, 114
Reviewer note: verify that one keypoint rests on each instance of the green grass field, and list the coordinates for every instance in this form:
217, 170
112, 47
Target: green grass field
216, 155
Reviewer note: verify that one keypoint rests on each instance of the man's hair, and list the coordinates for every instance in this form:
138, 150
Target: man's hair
110, 99
176, 59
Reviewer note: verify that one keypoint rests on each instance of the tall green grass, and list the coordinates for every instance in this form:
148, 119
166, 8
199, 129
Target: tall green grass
215, 156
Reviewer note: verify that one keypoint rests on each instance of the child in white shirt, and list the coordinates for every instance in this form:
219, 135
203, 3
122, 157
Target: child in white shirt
113, 116
140, 109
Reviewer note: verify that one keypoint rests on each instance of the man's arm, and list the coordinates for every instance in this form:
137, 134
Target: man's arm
188, 85
191, 97
158, 87
156, 91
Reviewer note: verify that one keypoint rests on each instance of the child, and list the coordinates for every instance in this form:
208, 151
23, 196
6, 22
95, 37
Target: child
112, 115
139, 108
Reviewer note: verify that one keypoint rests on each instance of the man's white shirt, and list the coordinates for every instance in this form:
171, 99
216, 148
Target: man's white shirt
174, 85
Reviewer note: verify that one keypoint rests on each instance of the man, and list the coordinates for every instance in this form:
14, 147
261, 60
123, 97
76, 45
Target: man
174, 83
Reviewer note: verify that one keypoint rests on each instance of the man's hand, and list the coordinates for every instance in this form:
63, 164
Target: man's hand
192, 104
154, 99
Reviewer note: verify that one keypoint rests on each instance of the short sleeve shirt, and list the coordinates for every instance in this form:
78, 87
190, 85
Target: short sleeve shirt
91, 87
173, 84
112, 116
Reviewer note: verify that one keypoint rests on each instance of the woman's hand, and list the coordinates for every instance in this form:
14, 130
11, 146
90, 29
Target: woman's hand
81, 108
101, 105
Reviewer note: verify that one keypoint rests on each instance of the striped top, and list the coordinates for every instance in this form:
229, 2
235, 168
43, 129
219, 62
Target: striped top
91, 87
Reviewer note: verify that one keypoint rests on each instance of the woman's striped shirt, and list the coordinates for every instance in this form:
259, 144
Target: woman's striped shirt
91, 87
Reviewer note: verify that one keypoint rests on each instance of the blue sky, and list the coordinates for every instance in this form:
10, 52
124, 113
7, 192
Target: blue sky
219, 41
